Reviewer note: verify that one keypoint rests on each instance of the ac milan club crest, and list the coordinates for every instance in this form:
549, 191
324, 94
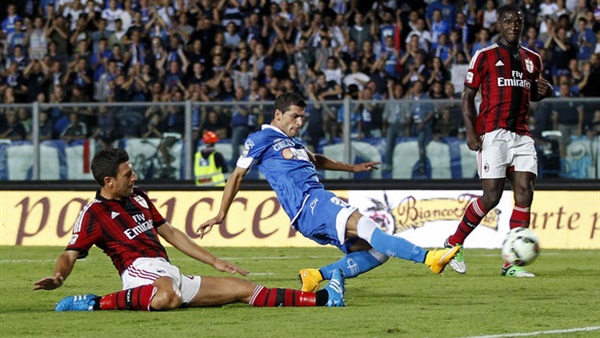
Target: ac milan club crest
529, 65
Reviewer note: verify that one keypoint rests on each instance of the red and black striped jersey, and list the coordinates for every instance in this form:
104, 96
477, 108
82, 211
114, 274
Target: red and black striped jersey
124, 229
506, 76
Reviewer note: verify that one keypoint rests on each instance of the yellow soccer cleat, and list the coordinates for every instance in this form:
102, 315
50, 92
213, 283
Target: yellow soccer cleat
437, 260
310, 279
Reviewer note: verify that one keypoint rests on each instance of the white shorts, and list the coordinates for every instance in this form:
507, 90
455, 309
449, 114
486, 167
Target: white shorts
145, 271
502, 149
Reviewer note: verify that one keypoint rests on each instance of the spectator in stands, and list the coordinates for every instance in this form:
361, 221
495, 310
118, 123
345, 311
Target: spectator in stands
444, 125
107, 127
367, 57
584, 40
37, 41
420, 121
448, 11
8, 24
46, 125
396, 116
75, 130
18, 56
416, 72
58, 32
355, 76
323, 91
370, 115
423, 34
567, 117
530, 10
100, 33
314, 121
111, 14
562, 51
592, 70
438, 72
240, 123
390, 57
12, 129
361, 31
216, 123
15, 80
17, 37
79, 75
438, 26
531, 41
487, 17
152, 127
36, 75
482, 40
353, 94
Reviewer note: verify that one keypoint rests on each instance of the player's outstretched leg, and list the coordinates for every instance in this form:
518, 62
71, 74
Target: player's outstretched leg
335, 289
393, 246
352, 265
458, 262
331, 295
77, 303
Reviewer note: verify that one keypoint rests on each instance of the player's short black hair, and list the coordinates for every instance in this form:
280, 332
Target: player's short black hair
507, 9
284, 101
106, 162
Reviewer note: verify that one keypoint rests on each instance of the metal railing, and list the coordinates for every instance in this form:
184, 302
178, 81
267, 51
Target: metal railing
345, 112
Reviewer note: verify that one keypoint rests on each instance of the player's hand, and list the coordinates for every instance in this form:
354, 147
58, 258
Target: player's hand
473, 141
49, 283
225, 266
205, 227
544, 88
366, 166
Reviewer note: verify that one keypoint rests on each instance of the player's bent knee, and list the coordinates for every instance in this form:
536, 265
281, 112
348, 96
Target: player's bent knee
167, 296
166, 300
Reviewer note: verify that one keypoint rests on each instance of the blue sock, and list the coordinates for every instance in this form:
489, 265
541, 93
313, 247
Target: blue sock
353, 264
397, 247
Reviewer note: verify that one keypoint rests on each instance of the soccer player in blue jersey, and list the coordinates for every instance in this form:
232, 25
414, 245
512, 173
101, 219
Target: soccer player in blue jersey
316, 213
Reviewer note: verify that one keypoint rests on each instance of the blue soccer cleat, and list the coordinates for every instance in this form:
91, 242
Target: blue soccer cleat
335, 289
77, 303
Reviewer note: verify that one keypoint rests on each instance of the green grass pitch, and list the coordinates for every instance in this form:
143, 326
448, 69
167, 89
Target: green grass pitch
399, 299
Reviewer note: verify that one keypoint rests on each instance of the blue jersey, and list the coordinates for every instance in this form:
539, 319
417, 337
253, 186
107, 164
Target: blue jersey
284, 162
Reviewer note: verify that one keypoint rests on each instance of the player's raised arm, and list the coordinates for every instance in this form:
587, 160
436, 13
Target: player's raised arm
185, 244
62, 270
231, 189
323, 162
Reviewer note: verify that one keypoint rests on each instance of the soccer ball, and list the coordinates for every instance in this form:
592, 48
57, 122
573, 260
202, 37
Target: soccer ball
521, 247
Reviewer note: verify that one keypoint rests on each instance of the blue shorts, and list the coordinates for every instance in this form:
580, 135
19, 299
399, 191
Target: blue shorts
323, 219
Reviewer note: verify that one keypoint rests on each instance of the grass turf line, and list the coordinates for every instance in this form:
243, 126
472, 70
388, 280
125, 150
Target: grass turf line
399, 299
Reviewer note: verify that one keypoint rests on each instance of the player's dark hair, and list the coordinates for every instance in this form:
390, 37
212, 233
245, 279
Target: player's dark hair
507, 9
106, 162
284, 101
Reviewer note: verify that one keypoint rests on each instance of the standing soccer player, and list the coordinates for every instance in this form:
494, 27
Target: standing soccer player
509, 77
316, 213
125, 224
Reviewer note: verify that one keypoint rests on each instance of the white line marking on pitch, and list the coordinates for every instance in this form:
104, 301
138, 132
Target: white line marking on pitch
525, 334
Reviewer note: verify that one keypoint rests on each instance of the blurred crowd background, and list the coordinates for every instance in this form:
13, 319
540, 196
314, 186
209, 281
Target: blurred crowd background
245, 51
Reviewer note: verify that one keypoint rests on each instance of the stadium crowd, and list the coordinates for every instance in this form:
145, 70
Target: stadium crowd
244, 51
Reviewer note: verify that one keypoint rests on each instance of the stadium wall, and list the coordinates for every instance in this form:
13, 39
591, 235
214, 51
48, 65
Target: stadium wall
565, 214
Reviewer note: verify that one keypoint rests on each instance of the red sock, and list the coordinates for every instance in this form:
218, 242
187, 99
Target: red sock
473, 216
263, 296
520, 217
137, 298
